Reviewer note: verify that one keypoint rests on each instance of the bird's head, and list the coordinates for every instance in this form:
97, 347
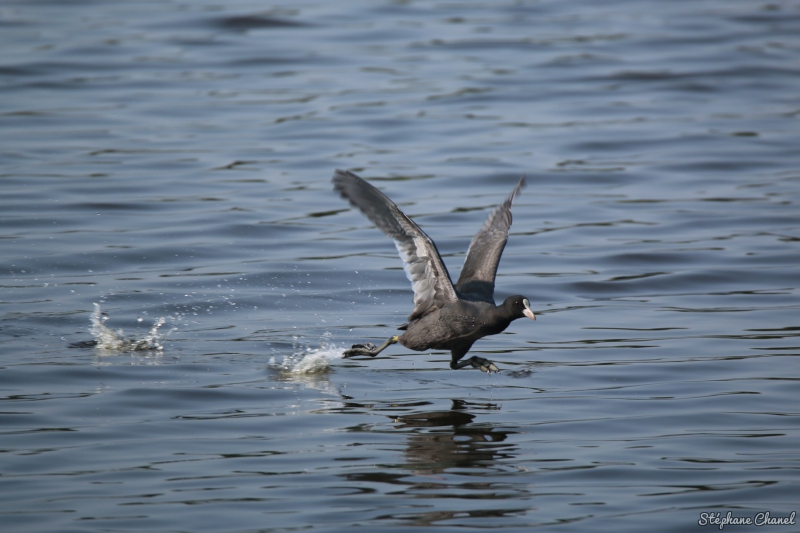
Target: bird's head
519, 306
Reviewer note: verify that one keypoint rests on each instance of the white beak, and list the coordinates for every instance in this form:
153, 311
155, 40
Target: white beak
527, 311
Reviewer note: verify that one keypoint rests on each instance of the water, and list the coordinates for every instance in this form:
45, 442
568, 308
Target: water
171, 163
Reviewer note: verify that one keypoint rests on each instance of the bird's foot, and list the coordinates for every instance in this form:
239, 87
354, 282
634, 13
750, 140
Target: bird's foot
369, 349
361, 349
483, 365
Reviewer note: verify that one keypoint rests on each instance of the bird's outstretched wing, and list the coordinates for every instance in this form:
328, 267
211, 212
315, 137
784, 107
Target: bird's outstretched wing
421, 260
477, 276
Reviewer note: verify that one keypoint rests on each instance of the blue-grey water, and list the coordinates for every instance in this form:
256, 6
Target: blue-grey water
171, 163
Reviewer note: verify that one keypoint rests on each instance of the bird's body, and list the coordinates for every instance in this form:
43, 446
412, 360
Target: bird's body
445, 316
453, 327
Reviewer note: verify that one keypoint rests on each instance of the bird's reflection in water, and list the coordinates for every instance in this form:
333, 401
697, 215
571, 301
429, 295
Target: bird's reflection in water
440, 440
458, 467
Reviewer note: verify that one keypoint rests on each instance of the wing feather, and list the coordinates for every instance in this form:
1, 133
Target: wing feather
421, 260
480, 266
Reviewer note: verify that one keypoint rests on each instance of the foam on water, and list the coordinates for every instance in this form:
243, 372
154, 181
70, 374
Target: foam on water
111, 342
306, 360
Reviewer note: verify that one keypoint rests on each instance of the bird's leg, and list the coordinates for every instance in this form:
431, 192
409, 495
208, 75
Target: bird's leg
369, 348
476, 362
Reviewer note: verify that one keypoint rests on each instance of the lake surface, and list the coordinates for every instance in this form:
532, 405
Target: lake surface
165, 180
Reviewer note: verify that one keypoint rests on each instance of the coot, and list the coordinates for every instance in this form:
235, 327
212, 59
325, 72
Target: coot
445, 316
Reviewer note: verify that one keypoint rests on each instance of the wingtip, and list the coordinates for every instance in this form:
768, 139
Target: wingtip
339, 174
342, 179
520, 185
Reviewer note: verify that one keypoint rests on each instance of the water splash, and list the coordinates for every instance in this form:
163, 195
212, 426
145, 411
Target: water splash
111, 342
307, 360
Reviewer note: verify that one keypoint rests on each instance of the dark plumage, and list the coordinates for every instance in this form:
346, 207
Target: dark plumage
445, 317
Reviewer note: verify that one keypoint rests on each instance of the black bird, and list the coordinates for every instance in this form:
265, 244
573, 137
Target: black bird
445, 317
